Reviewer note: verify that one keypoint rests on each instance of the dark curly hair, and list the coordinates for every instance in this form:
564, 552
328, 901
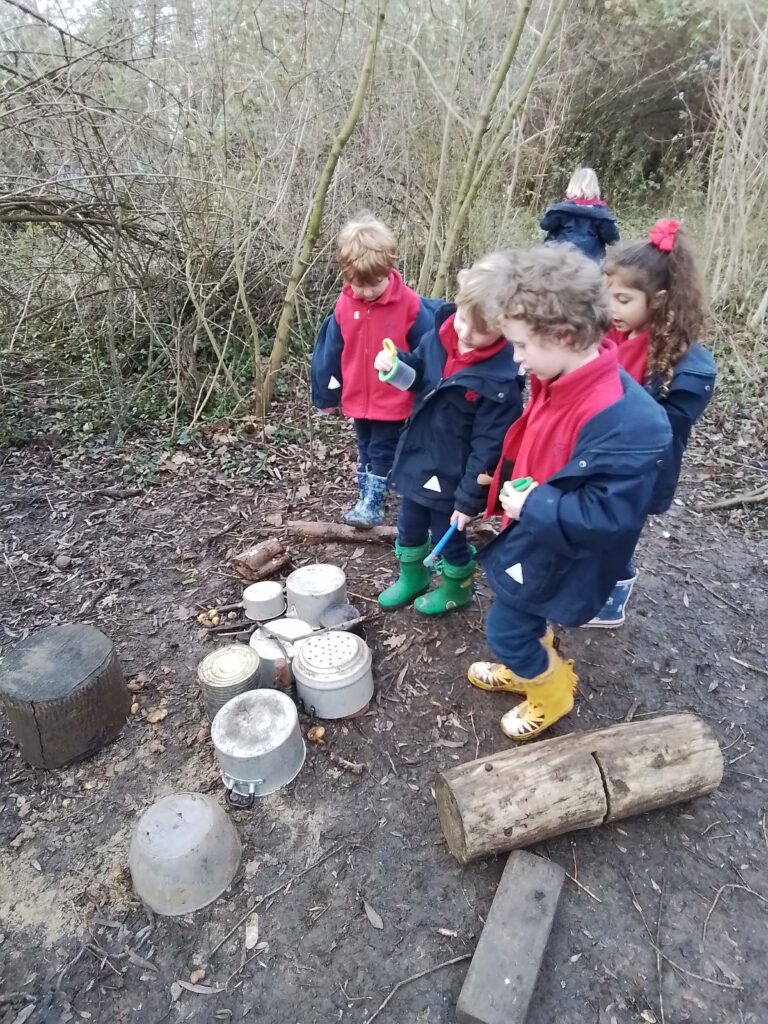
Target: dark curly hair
672, 284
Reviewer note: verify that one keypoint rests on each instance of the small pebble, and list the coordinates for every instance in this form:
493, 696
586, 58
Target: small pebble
63, 562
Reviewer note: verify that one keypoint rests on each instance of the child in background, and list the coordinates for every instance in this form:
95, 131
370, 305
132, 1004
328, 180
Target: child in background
467, 394
582, 218
658, 312
374, 304
591, 441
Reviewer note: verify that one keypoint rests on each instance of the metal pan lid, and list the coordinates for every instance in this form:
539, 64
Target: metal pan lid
227, 666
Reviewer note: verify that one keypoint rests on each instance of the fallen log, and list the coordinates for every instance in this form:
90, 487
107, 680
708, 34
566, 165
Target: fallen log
261, 561
521, 796
340, 533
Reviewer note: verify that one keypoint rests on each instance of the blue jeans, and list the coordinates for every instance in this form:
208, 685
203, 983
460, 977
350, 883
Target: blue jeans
514, 637
415, 522
376, 444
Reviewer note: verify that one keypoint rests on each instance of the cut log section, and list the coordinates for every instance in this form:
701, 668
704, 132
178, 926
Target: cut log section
63, 691
261, 561
524, 795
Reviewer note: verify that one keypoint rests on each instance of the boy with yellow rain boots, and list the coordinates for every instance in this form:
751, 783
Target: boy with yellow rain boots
575, 479
467, 393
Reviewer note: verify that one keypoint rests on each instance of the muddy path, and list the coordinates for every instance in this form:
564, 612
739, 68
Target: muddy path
663, 918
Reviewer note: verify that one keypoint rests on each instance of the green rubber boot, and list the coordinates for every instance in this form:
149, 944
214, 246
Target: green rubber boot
413, 580
454, 591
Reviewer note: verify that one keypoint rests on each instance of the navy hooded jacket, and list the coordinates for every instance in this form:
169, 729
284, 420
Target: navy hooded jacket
457, 426
578, 530
689, 394
589, 228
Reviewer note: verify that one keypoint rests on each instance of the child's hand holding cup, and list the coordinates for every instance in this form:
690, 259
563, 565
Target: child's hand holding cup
514, 494
391, 370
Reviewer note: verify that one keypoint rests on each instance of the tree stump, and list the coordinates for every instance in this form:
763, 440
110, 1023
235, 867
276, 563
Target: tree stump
63, 691
524, 795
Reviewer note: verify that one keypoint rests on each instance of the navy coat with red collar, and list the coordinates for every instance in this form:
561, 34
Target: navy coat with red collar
588, 227
688, 395
348, 342
457, 426
578, 530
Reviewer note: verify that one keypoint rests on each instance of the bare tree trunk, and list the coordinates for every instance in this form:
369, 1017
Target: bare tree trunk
469, 189
481, 127
314, 222
442, 168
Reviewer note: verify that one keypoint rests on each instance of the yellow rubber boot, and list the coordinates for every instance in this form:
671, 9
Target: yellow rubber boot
548, 698
495, 677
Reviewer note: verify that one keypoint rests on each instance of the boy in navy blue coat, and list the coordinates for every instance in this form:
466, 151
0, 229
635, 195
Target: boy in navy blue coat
467, 395
582, 218
585, 456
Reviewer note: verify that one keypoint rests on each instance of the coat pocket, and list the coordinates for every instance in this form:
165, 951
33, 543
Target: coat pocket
523, 571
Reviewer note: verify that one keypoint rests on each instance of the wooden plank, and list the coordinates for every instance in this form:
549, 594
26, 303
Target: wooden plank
502, 975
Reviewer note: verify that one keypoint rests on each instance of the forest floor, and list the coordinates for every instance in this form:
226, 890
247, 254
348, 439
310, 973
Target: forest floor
664, 917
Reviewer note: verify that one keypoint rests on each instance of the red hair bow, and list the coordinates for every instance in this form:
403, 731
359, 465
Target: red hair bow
662, 234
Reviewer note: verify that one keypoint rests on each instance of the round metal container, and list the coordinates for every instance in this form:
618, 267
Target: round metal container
258, 742
274, 660
313, 589
333, 674
225, 673
264, 601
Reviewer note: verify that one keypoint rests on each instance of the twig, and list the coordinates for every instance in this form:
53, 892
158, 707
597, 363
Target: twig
718, 894
474, 730
15, 997
117, 492
274, 892
415, 977
745, 498
659, 960
583, 887
682, 970
695, 579
745, 664
342, 762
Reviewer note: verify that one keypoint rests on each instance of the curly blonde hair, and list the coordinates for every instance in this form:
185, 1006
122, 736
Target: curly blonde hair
556, 289
366, 249
673, 287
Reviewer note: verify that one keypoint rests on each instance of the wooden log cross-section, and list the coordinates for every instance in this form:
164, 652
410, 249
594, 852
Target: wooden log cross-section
63, 691
521, 796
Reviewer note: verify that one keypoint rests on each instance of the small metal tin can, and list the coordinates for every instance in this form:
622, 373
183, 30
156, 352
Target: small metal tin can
226, 672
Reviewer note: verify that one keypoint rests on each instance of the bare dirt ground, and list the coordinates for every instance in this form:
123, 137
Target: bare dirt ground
664, 917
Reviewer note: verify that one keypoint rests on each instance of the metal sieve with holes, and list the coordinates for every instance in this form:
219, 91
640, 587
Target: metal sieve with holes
333, 674
225, 673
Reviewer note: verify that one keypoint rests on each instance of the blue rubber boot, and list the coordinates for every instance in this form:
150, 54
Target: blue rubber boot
612, 614
351, 515
371, 511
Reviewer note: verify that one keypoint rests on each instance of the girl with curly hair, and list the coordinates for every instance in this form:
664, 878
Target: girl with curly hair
658, 313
